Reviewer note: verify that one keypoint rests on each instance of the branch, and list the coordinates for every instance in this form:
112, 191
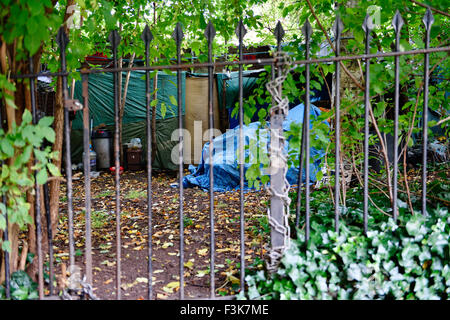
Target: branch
358, 176
431, 8
419, 92
405, 178
332, 46
442, 121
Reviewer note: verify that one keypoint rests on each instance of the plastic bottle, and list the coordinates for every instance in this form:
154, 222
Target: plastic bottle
92, 158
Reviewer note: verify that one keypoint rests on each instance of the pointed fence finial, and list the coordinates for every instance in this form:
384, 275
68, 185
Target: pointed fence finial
114, 38
146, 35
428, 19
210, 31
368, 23
307, 29
397, 22
279, 32
178, 34
240, 30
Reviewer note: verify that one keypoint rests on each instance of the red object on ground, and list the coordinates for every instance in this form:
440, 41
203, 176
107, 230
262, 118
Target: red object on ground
113, 169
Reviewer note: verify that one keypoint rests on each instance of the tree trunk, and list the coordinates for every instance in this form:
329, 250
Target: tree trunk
22, 99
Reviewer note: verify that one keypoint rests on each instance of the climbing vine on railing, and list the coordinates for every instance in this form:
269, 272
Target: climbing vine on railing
19, 145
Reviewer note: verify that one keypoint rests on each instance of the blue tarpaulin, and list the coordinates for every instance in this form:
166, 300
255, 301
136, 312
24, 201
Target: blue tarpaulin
226, 148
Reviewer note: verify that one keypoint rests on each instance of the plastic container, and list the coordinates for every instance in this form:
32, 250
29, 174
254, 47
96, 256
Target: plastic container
102, 141
113, 170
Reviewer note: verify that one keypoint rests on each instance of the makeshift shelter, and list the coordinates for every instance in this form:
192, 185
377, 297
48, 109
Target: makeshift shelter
225, 151
225, 95
197, 115
101, 111
228, 92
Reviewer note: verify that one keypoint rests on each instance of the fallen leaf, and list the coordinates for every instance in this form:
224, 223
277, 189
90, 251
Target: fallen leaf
161, 296
167, 244
142, 280
189, 265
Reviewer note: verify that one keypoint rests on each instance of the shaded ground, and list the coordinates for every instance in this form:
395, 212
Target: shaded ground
165, 239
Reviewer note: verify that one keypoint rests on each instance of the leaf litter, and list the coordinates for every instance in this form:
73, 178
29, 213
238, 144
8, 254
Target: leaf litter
165, 236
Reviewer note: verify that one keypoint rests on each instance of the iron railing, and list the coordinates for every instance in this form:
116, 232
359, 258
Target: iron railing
279, 207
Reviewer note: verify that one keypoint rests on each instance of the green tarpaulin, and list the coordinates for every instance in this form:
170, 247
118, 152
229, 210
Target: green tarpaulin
232, 90
101, 110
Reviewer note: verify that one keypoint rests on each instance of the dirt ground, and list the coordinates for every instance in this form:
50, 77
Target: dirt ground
165, 236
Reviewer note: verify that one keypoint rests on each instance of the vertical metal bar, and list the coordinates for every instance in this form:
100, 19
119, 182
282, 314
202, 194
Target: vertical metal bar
62, 41
307, 31
178, 37
367, 27
210, 32
428, 21
87, 179
49, 236
6, 253
337, 28
240, 32
397, 23
37, 197
114, 39
300, 175
147, 37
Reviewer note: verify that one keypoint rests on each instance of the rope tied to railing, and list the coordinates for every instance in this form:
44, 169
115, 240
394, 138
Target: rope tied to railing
278, 159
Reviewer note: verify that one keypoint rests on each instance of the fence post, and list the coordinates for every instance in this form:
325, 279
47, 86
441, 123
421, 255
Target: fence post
279, 234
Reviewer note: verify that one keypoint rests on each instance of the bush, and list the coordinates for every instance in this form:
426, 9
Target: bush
22, 287
404, 260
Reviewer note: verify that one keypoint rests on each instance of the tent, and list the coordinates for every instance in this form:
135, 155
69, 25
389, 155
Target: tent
101, 111
225, 150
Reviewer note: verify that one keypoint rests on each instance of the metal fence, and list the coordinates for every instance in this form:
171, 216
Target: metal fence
281, 64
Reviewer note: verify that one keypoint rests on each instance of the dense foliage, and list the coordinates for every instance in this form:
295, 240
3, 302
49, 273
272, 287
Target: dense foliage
22, 287
322, 14
22, 143
407, 259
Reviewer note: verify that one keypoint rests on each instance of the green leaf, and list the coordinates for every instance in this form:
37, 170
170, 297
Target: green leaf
48, 133
173, 100
163, 110
53, 169
2, 222
45, 122
6, 246
20, 294
42, 176
7, 148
